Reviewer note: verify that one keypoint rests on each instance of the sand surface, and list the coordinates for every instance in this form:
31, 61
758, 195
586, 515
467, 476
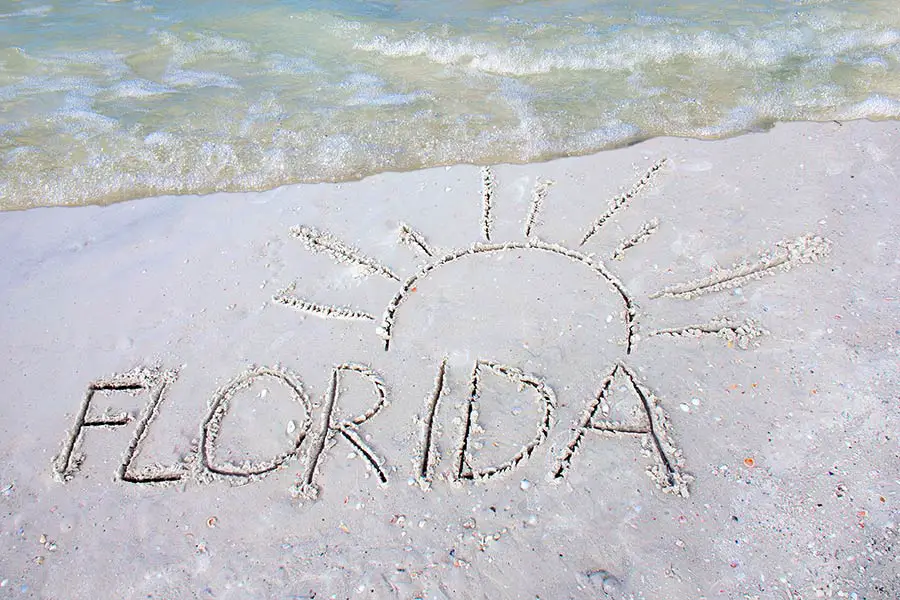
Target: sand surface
668, 371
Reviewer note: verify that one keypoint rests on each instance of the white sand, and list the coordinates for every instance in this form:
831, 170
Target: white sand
783, 426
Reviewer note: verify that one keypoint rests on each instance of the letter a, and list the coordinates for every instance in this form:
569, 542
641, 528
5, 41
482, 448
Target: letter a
651, 424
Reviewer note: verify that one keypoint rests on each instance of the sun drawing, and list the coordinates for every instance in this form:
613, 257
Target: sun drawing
648, 420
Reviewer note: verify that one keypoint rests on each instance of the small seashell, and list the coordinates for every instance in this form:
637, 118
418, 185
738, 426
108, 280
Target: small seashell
608, 582
291, 427
211, 522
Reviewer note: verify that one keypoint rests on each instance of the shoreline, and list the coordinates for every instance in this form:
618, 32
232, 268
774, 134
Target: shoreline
662, 371
116, 198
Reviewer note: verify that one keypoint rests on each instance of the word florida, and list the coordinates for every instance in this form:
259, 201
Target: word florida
308, 445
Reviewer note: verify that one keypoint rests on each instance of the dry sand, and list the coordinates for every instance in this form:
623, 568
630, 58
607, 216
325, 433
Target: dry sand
387, 389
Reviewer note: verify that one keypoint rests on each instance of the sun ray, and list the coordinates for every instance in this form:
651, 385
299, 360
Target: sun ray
487, 202
619, 202
541, 187
323, 311
786, 254
738, 333
323, 242
646, 230
415, 240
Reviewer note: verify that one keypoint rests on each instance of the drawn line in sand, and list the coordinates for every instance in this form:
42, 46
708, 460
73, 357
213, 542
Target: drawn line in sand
385, 329
734, 333
431, 412
323, 311
218, 409
464, 469
672, 479
414, 240
583, 426
322, 242
786, 255
541, 188
642, 235
621, 201
487, 202
654, 426
348, 429
150, 473
69, 460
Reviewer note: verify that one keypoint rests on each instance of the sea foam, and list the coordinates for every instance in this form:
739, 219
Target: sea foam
109, 101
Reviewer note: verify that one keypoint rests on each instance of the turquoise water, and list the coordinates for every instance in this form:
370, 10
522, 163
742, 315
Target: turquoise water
106, 101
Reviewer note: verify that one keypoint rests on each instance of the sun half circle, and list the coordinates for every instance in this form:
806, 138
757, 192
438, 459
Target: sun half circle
385, 329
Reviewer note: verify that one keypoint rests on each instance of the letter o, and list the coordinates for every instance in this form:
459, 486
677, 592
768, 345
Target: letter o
219, 409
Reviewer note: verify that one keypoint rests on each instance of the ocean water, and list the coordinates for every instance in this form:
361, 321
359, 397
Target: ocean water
110, 100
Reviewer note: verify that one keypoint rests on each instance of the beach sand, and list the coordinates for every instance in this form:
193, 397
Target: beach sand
699, 401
